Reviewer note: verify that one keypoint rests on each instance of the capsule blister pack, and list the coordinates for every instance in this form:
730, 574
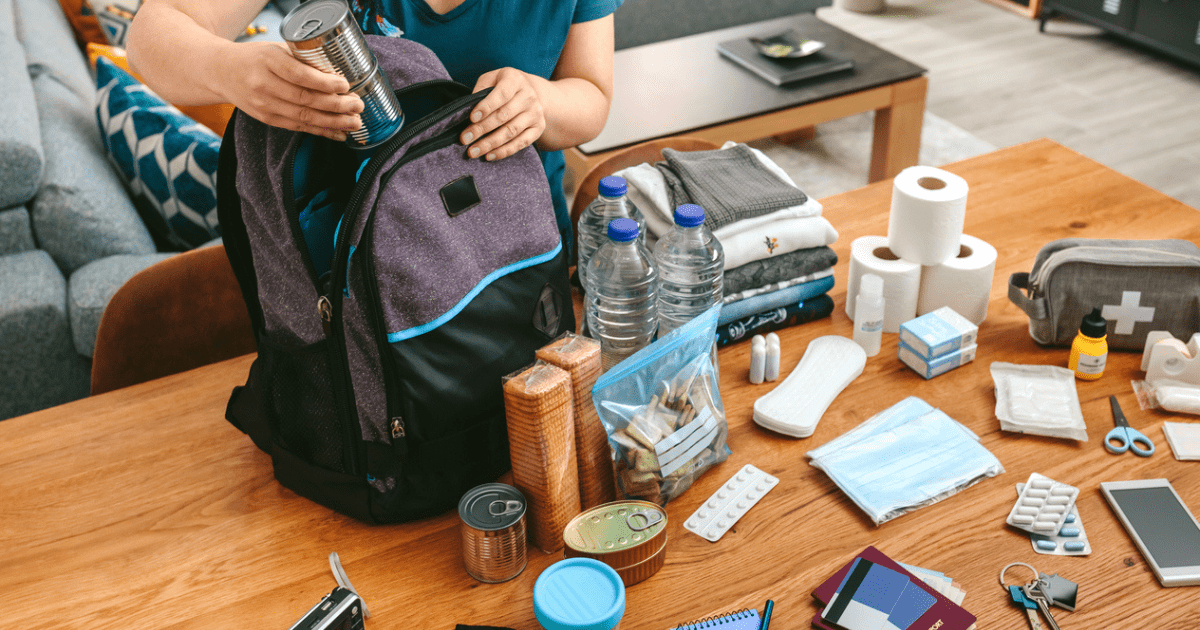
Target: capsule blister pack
712, 519
1043, 505
1071, 540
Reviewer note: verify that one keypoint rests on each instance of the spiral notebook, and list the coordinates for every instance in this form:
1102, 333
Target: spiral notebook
740, 620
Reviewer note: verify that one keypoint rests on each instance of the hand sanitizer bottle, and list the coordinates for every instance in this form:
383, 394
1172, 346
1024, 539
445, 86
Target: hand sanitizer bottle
868, 314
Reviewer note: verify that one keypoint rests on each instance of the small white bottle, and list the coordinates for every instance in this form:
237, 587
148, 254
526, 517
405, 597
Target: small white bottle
868, 314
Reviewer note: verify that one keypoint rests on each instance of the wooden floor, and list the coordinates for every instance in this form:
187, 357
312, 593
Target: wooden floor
992, 74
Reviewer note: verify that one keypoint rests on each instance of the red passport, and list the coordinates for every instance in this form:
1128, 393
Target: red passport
943, 615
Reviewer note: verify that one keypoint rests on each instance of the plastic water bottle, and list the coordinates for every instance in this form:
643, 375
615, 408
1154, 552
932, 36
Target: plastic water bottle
592, 230
621, 294
691, 268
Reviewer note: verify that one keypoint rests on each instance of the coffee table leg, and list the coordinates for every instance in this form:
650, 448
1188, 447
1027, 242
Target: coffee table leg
898, 130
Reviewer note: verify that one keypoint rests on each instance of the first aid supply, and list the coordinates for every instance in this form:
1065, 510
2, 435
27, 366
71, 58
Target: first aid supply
1166, 357
1089, 350
901, 280
938, 333
1139, 285
1043, 505
795, 406
1070, 540
926, 219
1169, 395
1184, 439
691, 268
621, 294
938, 365
592, 231
903, 458
964, 282
758, 359
868, 314
723, 509
773, 351
1038, 399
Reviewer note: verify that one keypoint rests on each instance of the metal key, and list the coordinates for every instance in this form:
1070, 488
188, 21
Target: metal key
1033, 592
1030, 607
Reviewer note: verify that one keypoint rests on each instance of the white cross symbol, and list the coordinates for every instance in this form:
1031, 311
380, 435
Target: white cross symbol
1128, 313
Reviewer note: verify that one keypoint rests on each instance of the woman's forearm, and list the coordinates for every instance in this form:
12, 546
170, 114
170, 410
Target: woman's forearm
575, 109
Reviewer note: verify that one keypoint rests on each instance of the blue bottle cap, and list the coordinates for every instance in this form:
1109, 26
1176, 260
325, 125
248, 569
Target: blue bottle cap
622, 230
689, 215
579, 594
612, 186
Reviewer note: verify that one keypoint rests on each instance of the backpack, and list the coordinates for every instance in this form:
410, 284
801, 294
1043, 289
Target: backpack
388, 298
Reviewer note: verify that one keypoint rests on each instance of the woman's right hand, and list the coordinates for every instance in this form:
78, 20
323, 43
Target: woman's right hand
267, 82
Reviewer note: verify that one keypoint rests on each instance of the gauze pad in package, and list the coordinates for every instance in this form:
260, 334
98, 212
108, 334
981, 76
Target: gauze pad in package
1038, 399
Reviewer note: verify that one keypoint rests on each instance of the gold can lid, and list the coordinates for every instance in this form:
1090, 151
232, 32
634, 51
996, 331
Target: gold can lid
615, 527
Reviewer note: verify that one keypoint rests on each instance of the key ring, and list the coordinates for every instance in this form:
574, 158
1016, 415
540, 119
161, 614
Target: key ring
1036, 574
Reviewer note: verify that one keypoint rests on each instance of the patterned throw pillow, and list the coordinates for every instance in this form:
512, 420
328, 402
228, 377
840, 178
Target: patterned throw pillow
168, 161
83, 21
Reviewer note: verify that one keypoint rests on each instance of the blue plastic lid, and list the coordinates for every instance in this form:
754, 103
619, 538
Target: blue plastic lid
622, 230
612, 186
579, 594
689, 215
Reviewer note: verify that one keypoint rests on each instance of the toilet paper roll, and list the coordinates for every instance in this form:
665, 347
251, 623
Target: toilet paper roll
964, 283
901, 280
926, 221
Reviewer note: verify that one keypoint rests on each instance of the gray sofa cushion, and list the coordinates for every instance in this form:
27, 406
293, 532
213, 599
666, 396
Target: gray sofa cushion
39, 366
20, 140
640, 22
92, 286
16, 236
50, 46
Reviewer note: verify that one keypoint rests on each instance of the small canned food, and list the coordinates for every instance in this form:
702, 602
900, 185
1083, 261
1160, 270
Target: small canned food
381, 116
629, 536
323, 34
493, 532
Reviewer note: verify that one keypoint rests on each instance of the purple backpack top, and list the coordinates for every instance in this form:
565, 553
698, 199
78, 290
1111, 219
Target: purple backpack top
388, 297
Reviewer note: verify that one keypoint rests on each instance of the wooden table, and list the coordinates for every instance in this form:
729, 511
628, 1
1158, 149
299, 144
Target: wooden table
143, 508
684, 87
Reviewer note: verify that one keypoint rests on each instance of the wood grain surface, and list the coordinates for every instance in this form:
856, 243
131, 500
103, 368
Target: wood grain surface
144, 508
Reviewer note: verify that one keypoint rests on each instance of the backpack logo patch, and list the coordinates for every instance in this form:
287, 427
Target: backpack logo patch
547, 314
460, 195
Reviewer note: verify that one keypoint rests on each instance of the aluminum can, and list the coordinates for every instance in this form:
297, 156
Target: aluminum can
629, 536
493, 532
381, 115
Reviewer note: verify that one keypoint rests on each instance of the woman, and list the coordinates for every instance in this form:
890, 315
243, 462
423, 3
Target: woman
549, 63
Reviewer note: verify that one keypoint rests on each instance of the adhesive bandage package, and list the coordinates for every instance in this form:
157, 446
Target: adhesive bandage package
936, 366
1184, 439
723, 509
1070, 540
937, 333
903, 458
1043, 505
1039, 400
796, 405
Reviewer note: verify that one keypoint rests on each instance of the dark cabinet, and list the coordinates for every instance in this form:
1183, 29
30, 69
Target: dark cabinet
1169, 26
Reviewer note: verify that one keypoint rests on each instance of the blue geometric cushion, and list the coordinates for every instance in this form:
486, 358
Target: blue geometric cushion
168, 161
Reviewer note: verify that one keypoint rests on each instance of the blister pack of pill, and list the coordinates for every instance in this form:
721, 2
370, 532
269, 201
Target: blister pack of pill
712, 519
1043, 505
1071, 540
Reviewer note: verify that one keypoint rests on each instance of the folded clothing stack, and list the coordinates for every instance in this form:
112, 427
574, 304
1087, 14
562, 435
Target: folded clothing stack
778, 264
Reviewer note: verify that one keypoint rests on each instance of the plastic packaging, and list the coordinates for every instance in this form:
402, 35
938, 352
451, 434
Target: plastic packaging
1167, 394
691, 269
723, 509
1043, 505
1070, 540
1089, 350
1038, 399
592, 230
663, 413
621, 294
868, 314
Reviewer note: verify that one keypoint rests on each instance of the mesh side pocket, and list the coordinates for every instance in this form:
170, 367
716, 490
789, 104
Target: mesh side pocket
300, 402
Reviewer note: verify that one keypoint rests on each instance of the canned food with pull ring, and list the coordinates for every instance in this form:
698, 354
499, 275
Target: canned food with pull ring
629, 536
493, 532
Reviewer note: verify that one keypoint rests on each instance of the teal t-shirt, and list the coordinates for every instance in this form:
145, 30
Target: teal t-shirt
479, 36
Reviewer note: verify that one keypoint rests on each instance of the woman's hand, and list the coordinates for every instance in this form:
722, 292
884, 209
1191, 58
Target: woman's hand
267, 82
507, 120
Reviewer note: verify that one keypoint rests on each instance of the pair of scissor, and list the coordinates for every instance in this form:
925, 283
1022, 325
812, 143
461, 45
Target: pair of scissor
1126, 437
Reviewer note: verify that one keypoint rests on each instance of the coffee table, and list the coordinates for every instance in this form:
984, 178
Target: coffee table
684, 87
143, 508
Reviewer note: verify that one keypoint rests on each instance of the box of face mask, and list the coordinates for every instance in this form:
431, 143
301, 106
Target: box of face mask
1139, 285
938, 332
930, 368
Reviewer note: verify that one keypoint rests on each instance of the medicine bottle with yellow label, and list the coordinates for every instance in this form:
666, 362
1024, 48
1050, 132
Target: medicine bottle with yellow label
1089, 351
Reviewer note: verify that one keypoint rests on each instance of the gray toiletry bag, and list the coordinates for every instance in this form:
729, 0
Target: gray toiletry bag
1140, 285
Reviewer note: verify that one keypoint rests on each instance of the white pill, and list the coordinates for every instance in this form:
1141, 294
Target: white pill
742, 505
1043, 484
1037, 494
712, 504
1044, 527
1058, 500
1033, 502
1027, 510
1022, 519
732, 514
1054, 509
702, 513
722, 494
741, 476
1064, 491
693, 523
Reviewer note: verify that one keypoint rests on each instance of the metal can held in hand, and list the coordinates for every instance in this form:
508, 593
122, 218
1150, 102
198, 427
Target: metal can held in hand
324, 35
493, 532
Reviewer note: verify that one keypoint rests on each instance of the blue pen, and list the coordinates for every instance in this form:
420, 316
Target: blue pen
766, 622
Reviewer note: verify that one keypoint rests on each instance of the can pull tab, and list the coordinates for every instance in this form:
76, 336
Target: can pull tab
649, 519
504, 508
308, 28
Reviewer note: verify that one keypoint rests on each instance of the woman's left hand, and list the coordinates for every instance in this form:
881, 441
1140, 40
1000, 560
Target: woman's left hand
508, 119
